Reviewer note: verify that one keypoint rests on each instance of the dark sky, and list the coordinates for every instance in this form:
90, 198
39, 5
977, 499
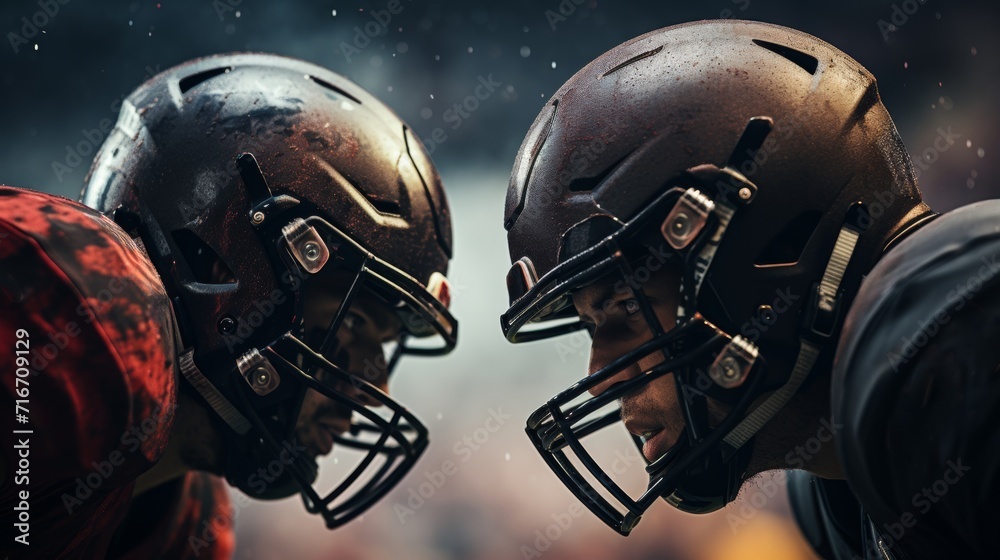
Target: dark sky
937, 69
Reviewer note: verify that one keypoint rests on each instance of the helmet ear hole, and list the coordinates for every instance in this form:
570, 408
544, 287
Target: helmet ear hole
786, 247
204, 264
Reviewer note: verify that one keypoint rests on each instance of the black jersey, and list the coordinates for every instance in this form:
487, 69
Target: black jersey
916, 385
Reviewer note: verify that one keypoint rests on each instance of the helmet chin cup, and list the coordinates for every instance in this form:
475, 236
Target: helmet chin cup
248, 476
711, 488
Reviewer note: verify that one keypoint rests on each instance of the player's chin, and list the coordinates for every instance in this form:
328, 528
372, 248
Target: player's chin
324, 444
318, 443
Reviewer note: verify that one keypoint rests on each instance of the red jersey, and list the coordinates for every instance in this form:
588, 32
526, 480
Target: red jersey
89, 384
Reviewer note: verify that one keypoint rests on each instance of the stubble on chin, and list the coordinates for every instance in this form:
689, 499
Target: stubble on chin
656, 404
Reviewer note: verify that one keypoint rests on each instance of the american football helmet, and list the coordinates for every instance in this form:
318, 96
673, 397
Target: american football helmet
761, 163
250, 179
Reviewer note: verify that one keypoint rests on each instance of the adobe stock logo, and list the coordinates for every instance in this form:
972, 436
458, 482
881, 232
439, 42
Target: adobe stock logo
566, 8
956, 299
900, 15
460, 112
378, 26
423, 491
34, 24
923, 501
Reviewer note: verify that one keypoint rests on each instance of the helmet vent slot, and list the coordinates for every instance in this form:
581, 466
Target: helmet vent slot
525, 164
195, 79
632, 60
805, 61
204, 263
786, 247
335, 89
583, 184
382, 205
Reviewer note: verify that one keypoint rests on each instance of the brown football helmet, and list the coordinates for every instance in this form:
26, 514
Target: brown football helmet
245, 176
759, 161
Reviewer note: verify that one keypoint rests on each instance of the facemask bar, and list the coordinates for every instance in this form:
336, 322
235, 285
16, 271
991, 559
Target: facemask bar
423, 316
359, 435
559, 425
418, 310
399, 441
306, 246
403, 438
551, 292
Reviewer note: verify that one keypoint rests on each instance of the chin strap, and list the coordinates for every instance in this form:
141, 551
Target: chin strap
215, 399
808, 352
826, 307
193, 375
211, 394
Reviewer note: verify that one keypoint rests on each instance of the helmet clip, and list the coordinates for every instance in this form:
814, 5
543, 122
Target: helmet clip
306, 245
258, 372
733, 364
687, 218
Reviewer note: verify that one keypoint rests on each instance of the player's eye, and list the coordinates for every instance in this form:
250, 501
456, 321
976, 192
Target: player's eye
354, 322
631, 306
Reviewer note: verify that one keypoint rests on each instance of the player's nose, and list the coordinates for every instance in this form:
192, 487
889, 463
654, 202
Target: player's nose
369, 371
604, 350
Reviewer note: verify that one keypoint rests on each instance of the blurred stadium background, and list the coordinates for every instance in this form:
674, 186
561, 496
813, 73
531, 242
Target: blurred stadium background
937, 71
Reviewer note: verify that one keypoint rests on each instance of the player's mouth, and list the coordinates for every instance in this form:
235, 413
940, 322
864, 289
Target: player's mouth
656, 440
654, 444
327, 430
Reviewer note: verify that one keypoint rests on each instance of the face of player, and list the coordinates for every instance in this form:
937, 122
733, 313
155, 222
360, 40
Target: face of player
618, 326
367, 327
